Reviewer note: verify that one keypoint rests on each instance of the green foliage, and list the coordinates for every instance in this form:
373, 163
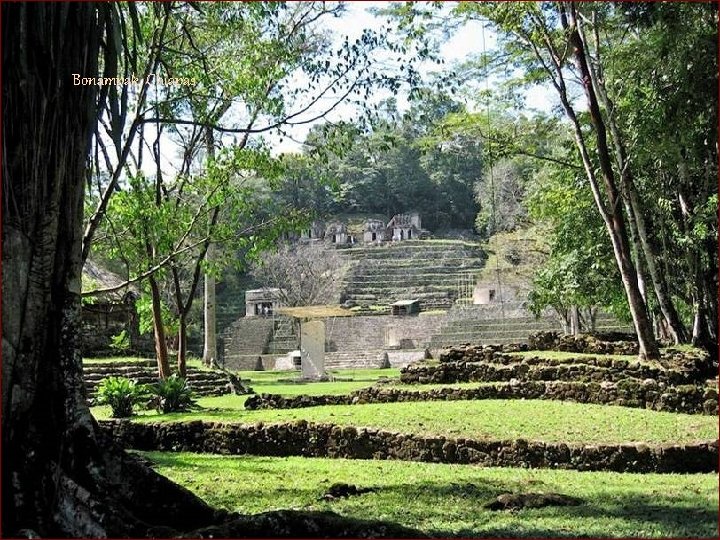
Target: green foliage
121, 341
145, 319
657, 65
173, 395
580, 270
88, 284
122, 394
404, 163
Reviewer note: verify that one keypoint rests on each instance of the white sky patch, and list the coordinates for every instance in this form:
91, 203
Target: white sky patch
469, 40
541, 98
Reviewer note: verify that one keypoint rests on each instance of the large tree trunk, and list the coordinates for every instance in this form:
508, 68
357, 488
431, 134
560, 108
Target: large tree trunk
574, 320
57, 480
45, 421
210, 326
182, 346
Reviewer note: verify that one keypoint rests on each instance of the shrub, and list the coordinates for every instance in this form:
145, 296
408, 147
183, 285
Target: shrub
172, 395
120, 342
121, 394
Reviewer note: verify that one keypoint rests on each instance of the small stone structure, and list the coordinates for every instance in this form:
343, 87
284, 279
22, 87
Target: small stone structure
316, 231
107, 315
337, 234
405, 307
104, 321
485, 293
374, 231
404, 227
262, 302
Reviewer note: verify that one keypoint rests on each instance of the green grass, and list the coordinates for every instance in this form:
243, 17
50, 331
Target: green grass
110, 359
446, 500
484, 419
561, 355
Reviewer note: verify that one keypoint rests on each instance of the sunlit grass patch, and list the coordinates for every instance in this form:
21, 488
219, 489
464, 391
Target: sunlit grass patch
446, 500
538, 420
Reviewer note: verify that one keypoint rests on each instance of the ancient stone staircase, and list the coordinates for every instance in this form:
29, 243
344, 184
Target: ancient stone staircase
511, 323
284, 337
202, 382
247, 336
353, 359
430, 271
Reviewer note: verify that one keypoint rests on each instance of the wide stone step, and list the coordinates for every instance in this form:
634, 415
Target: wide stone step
417, 268
202, 382
446, 343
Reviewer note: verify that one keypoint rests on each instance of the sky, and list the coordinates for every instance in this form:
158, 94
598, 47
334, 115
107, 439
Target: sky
469, 40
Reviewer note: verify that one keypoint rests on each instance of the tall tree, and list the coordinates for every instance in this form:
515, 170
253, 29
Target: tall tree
57, 479
546, 38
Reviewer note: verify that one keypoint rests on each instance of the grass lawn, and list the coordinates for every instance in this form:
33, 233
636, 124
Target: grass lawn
561, 355
111, 359
367, 375
446, 500
492, 419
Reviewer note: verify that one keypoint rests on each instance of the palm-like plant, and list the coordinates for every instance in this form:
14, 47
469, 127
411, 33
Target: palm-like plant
122, 394
173, 394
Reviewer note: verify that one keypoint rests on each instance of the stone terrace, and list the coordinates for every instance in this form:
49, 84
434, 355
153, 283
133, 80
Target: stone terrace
429, 270
510, 324
202, 382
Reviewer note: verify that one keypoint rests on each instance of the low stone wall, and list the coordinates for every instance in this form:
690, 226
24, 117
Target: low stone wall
102, 321
585, 343
689, 399
479, 353
327, 440
580, 370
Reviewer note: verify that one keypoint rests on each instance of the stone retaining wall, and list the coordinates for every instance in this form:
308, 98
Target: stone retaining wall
479, 353
327, 440
687, 399
102, 321
580, 370
585, 343
361, 333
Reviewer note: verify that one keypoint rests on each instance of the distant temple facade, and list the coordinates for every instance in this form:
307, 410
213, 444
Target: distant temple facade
262, 302
373, 231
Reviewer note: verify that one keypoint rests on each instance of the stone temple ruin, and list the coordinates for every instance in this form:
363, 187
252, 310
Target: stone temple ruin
262, 302
408, 299
341, 233
404, 227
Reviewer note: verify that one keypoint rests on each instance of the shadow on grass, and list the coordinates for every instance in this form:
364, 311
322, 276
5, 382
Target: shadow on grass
416, 502
674, 515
